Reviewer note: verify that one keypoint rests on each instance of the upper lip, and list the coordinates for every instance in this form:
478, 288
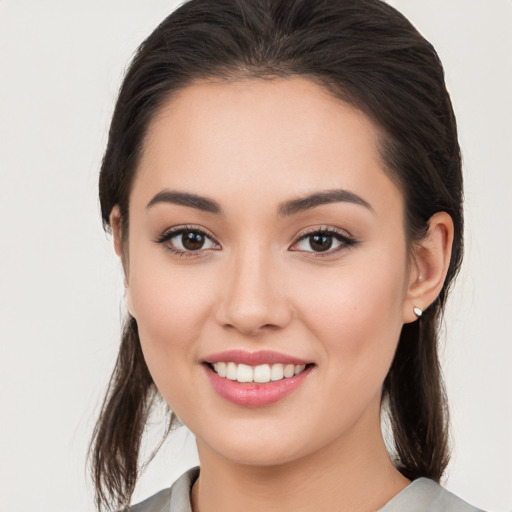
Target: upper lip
254, 358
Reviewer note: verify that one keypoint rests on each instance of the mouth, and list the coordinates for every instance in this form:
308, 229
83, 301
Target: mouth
260, 374
255, 379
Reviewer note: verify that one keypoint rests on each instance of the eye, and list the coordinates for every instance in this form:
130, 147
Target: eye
323, 241
186, 241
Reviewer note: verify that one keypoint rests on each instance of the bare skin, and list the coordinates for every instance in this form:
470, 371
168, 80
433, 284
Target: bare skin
256, 281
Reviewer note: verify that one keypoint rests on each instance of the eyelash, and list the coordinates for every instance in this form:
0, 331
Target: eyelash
168, 235
346, 242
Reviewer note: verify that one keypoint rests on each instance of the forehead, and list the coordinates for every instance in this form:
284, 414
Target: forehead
261, 137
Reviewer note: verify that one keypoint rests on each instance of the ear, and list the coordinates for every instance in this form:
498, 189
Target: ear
429, 264
117, 232
119, 247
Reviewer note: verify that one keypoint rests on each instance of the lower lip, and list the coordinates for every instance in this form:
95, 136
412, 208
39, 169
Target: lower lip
255, 395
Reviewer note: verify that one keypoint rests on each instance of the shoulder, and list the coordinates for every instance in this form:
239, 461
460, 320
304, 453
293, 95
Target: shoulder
173, 499
424, 495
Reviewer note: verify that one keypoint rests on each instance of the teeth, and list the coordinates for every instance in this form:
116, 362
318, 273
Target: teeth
299, 368
289, 371
261, 374
276, 373
221, 369
231, 371
244, 373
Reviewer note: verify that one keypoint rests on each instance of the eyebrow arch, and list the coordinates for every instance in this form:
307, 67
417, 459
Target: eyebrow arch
186, 199
320, 198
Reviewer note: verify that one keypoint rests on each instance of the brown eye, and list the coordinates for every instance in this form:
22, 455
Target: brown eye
323, 241
192, 240
320, 242
187, 241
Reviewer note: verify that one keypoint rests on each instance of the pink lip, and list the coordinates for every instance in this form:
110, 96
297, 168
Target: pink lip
254, 358
254, 395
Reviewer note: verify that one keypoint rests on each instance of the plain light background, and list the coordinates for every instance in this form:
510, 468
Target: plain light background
61, 63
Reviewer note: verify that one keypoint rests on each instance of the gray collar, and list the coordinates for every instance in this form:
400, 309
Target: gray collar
421, 495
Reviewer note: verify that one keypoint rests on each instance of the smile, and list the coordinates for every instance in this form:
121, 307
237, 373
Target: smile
255, 379
261, 374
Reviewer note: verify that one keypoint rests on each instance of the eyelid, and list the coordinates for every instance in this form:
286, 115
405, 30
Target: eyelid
324, 229
347, 240
173, 231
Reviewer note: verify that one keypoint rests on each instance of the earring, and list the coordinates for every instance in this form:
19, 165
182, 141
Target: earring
417, 311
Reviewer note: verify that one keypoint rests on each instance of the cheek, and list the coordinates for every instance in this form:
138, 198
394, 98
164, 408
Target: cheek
168, 299
356, 312
165, 312
170, 305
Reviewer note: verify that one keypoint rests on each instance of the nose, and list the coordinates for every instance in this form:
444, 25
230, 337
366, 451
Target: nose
253, 299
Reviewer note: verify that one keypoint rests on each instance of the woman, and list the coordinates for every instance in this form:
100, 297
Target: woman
283, 183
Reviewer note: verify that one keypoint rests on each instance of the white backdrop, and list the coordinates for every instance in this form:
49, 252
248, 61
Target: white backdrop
60, 285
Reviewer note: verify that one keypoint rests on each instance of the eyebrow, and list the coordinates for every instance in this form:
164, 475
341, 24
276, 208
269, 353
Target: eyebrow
285, 209
186, 199
320, 198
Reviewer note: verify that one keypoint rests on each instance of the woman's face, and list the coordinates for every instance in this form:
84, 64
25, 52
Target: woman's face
262, 222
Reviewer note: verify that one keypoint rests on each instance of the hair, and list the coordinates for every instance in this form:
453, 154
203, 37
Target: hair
363, 52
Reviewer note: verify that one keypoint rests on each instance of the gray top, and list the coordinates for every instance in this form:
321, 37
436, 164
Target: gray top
422, 495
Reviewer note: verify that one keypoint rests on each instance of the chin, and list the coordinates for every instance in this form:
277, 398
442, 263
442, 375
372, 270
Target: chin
256, 447
263, 456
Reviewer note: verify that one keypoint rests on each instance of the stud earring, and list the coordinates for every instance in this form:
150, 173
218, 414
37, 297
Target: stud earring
417, 311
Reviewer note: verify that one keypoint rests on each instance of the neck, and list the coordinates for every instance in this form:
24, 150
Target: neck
351, 474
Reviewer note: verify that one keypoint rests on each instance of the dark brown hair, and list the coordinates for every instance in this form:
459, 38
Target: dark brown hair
365, 53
